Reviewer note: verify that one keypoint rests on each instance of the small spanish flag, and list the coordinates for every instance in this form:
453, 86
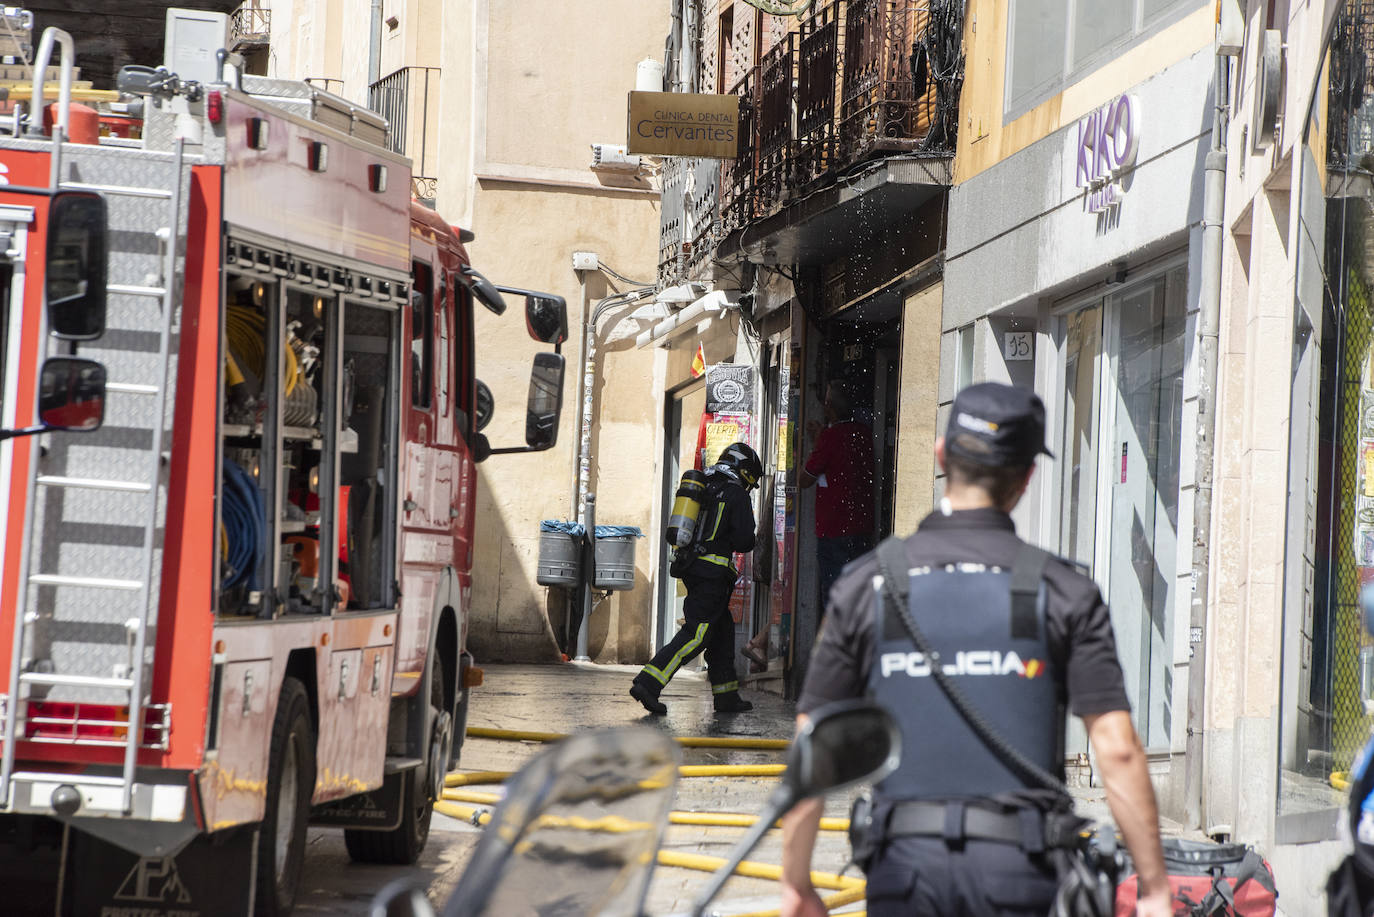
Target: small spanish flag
698, 362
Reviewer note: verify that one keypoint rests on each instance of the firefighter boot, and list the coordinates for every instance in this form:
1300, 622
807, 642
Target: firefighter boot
731, 702
649, 698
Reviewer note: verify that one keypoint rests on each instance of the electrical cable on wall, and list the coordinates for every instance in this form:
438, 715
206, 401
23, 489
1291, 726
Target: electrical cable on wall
607, 269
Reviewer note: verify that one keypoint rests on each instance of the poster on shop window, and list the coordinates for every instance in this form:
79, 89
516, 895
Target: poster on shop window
729, 418
1364, 471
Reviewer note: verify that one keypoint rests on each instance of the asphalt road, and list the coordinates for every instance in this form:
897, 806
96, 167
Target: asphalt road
559, 698
572, 698
563, 699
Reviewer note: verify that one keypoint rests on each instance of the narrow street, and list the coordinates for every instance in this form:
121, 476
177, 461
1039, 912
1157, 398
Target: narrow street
570, 698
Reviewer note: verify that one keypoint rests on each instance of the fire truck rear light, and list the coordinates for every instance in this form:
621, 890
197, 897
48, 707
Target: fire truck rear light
214, 106
93, 724
472, 676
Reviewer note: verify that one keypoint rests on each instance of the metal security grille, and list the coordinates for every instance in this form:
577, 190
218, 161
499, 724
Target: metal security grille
1350, 726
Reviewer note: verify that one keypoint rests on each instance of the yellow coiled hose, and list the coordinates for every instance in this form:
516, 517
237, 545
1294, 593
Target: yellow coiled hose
246, 329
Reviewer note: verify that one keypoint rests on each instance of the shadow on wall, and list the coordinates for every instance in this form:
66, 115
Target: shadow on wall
619, 629
505, 623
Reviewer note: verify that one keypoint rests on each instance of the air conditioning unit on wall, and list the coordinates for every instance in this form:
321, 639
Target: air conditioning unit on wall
618, 169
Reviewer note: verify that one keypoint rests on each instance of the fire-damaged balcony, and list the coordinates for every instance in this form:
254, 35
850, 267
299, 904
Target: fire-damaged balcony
855, 108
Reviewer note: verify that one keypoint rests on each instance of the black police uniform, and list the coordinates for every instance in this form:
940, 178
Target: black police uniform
726, 523
960, 833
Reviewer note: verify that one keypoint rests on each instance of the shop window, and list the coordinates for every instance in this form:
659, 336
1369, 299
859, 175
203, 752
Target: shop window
964, 345
1120, 445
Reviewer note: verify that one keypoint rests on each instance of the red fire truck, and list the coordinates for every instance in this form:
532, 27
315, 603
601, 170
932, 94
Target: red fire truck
241, 421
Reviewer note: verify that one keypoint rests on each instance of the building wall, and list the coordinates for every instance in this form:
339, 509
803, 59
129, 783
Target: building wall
1024, 247
986, 138
520, 96
916, 430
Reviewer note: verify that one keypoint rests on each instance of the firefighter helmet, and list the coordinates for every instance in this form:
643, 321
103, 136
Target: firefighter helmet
744, 462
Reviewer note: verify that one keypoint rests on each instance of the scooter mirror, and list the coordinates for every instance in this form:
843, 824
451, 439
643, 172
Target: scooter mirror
400, 898
841, 745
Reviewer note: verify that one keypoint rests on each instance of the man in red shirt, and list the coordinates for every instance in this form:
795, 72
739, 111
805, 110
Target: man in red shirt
840, 466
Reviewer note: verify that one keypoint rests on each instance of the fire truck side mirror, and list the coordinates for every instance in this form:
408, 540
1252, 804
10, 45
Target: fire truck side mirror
546, 317
545, 403
75, 275
71, 394
484, 290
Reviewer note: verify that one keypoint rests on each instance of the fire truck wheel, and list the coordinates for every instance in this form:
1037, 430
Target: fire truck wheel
402, 846
290, 782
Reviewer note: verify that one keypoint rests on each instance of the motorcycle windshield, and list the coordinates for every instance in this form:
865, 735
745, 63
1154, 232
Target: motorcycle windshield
578, 831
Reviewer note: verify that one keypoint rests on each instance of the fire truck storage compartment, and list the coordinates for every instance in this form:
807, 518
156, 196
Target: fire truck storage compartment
307, 420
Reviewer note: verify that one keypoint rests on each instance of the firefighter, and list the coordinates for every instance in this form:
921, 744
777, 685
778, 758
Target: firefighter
954, 829
725, 526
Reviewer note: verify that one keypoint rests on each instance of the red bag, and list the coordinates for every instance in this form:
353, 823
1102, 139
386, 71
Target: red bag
1209, 879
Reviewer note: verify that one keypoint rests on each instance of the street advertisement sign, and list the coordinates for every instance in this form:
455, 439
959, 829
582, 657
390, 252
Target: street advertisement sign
1107, 141
683, 124
729, 419
730, 389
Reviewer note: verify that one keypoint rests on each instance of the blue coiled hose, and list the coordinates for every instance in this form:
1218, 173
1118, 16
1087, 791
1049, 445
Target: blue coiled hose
243, 525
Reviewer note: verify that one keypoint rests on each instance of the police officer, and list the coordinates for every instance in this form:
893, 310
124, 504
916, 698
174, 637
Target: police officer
725, 526
956, 830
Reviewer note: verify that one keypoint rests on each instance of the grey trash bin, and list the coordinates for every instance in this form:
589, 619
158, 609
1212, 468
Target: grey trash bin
615, 557
560, 554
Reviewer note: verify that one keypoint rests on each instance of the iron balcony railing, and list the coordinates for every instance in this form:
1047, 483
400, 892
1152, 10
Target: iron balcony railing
409, 100
249, 25
854, 80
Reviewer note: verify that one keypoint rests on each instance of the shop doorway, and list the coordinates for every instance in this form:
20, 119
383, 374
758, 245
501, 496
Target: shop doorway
1118, 464
864, 353
683, 417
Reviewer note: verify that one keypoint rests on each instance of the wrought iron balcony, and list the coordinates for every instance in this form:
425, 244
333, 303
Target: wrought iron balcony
409, 100
250, 26
856, 80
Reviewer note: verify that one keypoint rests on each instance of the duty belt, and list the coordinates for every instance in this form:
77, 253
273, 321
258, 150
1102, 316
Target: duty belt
1028, 828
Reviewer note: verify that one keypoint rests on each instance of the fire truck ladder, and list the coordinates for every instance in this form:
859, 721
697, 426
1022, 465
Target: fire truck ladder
80, 495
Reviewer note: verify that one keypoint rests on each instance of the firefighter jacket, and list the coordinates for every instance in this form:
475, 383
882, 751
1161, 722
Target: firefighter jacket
725, 528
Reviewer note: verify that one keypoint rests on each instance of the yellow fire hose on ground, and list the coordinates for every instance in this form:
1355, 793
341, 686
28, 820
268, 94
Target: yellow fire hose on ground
850, 889
686, 770
512, 735
702, 819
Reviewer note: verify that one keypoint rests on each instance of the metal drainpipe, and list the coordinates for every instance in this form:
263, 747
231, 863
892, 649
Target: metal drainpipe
374, 51
1209, 312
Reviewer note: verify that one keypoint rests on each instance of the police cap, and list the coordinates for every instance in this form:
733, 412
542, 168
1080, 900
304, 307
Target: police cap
997, 425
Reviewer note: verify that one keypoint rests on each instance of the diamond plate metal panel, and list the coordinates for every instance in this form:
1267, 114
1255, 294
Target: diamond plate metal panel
86, 533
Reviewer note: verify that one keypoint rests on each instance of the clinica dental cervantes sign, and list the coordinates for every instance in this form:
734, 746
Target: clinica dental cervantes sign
684, 124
